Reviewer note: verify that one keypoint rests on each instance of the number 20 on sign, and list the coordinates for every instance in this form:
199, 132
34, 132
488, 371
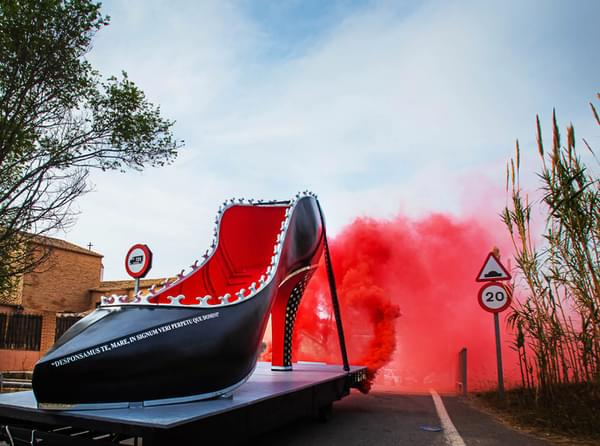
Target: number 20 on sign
494, 297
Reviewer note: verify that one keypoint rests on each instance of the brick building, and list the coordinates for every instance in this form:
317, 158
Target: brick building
46, 302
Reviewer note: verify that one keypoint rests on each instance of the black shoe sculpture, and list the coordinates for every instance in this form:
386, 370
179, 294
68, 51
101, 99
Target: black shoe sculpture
199, 336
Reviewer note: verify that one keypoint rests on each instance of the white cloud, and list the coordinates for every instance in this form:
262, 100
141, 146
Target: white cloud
385, 113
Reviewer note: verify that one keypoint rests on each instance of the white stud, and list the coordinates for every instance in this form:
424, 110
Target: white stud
203, 301
176, 300
224, 299
240, 293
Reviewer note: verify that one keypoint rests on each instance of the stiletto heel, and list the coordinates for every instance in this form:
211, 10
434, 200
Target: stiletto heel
199, 336
283, 317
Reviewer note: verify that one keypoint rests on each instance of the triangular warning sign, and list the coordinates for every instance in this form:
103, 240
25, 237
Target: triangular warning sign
492, 270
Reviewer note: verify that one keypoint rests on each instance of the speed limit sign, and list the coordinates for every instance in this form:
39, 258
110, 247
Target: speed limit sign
494, 297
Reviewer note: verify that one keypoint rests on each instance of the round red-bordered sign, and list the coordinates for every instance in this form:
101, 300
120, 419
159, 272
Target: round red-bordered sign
494, 297
138, 261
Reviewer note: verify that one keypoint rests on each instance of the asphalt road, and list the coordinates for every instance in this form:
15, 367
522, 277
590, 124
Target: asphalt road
394, 419
383, 418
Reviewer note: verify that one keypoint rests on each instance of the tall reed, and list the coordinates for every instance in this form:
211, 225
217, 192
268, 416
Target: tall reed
557, 318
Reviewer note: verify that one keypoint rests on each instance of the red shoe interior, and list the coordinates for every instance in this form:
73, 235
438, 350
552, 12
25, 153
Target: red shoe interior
246, 239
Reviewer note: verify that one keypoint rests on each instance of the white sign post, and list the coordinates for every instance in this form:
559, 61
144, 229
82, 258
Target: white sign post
494, 297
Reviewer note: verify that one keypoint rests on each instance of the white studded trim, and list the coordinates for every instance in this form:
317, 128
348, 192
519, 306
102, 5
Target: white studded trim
142, 298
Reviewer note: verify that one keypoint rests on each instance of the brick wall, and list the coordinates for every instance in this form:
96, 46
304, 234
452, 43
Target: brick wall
18, 359
62, 283
122, 287
48, 330
26, 359
96, 295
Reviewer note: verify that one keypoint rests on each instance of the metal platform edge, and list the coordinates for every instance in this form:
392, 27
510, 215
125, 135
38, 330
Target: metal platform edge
312, 399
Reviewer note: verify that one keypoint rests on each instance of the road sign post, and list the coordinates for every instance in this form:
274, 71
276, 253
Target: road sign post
138, 262
499, 356
494, 297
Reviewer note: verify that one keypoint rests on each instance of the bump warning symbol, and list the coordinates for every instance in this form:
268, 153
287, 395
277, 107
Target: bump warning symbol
492, 270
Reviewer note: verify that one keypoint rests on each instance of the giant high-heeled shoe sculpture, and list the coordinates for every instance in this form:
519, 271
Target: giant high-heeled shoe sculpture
199, 336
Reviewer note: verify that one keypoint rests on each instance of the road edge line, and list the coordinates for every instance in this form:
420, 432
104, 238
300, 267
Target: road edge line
451, 435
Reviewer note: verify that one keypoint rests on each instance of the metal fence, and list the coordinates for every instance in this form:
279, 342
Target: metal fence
20, 331
63, 323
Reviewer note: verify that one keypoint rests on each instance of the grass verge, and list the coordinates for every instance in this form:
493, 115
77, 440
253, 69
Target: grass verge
570, 410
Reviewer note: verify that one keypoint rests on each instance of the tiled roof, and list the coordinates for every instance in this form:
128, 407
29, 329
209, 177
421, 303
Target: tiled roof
110, 285
63, 244
14, 296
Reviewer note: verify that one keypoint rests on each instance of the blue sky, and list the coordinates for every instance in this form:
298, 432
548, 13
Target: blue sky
291, 28
380, 107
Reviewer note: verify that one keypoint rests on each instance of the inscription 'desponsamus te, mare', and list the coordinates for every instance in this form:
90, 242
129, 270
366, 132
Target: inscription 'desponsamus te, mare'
128, 340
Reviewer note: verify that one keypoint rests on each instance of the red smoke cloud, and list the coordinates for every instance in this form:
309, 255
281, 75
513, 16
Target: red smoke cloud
409, 302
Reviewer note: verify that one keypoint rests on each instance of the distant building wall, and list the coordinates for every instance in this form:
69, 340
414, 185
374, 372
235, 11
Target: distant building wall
120, 288
62, 283
65, 287
18, 359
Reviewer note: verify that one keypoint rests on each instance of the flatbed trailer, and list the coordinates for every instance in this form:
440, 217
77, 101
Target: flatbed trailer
268, 399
